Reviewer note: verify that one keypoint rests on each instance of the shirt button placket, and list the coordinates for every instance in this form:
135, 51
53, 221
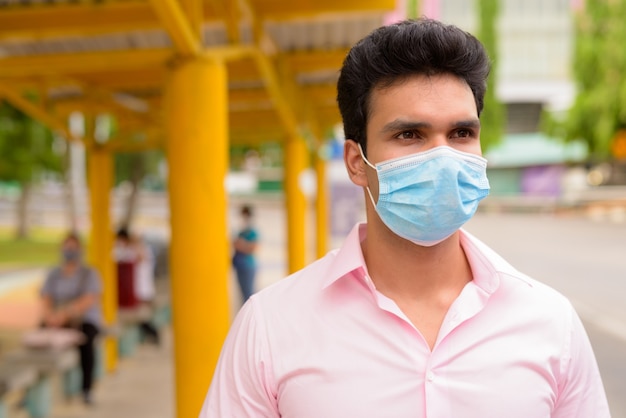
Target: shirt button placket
430, 376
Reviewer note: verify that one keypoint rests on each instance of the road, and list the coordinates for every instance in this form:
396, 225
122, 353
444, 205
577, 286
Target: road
584, 260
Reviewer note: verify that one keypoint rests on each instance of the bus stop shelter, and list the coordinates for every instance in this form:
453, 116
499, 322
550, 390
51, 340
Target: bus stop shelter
192, 77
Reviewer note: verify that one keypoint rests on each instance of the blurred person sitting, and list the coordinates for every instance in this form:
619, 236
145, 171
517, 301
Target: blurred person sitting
71, 299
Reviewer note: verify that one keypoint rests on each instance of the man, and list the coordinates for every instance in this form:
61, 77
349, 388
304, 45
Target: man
412, 317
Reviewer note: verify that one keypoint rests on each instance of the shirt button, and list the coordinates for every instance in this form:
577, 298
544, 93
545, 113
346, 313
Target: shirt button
430, 376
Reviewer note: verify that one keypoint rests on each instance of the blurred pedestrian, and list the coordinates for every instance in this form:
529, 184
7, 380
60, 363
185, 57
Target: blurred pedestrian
71, 299
412, 316
244, 259
144, 284
125, 255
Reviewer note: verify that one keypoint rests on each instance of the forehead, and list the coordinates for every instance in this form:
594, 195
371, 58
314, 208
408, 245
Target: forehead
71, 242
446, 93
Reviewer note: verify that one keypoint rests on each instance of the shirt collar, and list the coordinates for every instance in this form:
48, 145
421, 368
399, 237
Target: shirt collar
486, 264
349, 257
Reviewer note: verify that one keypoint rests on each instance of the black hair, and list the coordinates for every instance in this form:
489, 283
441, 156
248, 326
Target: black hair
74, 237
123, 233
246, 210
393, 53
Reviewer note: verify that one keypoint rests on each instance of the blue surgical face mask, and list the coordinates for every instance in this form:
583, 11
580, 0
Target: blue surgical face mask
70, 254
426, 197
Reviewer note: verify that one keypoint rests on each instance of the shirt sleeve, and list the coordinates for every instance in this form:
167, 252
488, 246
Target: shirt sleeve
242, 384
581, 393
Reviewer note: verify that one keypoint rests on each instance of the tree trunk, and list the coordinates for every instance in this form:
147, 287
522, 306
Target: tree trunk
70, 189
138, 170
22, 211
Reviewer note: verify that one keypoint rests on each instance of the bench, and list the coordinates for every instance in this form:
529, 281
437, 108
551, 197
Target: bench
47, 363
129, 319
15, 380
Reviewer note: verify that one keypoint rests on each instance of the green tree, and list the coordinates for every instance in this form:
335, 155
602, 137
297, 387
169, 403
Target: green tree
27, 151
599, 68
493, 117
134, 169
412, 7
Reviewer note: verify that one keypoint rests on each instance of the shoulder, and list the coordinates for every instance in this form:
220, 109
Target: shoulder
53, 274
92, 275
298, 288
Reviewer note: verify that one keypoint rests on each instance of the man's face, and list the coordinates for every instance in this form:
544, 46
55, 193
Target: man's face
418, 114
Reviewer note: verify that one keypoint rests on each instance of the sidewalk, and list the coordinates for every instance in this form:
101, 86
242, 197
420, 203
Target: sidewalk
141, 387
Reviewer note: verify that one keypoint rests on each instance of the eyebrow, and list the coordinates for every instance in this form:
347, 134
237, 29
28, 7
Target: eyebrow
404, 125
471, 123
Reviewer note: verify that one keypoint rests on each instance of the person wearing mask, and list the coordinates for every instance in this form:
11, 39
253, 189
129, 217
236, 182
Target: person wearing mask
244, 260
412, 316
71, 299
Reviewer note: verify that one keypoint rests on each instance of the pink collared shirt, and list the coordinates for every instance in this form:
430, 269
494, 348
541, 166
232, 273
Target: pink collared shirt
324, 343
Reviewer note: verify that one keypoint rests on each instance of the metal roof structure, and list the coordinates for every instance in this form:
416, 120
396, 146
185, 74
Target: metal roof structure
191, 76
111, 57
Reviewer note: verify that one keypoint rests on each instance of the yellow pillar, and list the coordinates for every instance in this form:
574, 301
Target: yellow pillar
197, 151
321, 205
295, 163
100, 174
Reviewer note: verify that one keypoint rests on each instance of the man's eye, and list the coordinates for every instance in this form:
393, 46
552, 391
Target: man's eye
407, 135
463, 133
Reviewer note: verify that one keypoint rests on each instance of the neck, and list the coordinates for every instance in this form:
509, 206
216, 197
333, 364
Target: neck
403, 270
70, 266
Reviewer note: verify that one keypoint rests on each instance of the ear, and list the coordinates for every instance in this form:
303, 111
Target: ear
354, 163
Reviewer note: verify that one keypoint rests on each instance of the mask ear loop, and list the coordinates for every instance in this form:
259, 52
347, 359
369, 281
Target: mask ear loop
374, 167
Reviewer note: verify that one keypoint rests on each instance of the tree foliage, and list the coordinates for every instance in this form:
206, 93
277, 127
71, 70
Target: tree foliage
412, 8
493, 117
27, 151
26, 147
599, 68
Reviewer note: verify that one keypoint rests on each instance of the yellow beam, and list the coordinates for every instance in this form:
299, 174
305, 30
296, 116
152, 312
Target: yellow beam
88, 18
248, 95
108, 62
34, 111
258, 119
184, 37
100, 172
103, 101
135, 79
311, 61
244, 69
321, 204
273, 85
125, 145
197, 196
270, 9
296, 157
261, 38
321, 93
76, 63
229, 12
255, 138
194, 10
